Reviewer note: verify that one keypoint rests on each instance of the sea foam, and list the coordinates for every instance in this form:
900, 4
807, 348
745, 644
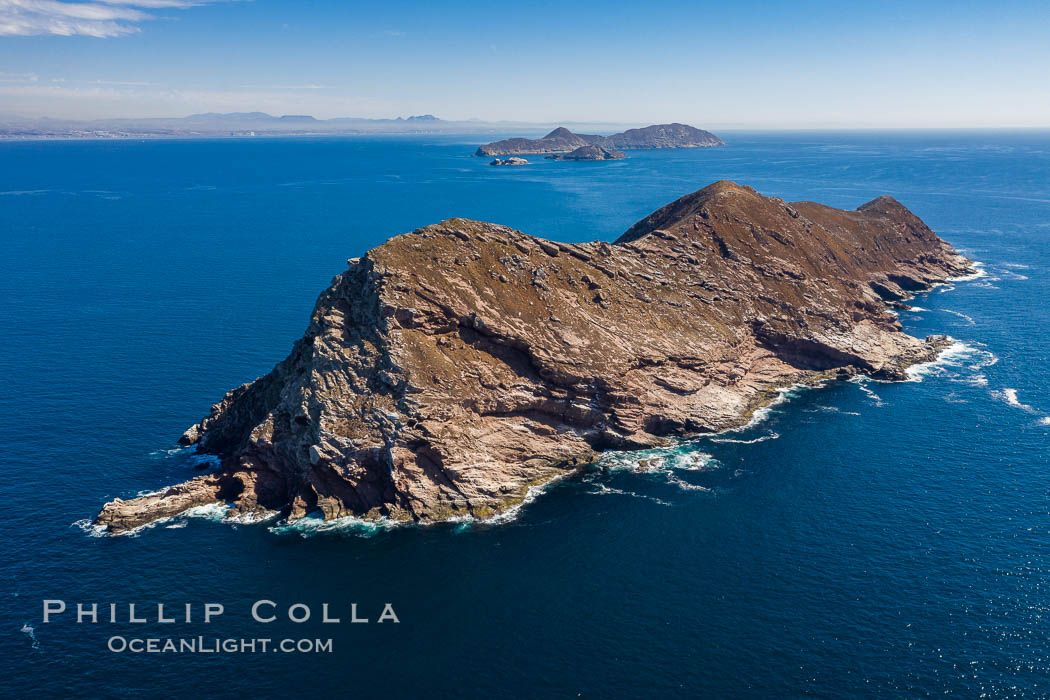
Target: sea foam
1009, 396
978, 273
955, 357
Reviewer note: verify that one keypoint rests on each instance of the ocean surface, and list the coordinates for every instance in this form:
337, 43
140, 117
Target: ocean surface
862, 539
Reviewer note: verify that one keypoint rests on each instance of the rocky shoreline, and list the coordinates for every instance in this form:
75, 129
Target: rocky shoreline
453, 369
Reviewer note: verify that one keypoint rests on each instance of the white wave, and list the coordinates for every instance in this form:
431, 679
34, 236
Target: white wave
963, 316
977, 380
194, 458
99, 531
915, 309
346, 525
362, 527
171, 452
602, 489
22, 193
658, 459
978, 273
213, 511
862, 384
784, 394
952, 356
1017, 266
250, 518
1009, 396
27, 630
831, 409
760, 438
1045, 420
209, 511
684, 485
90, 528
984, 359
508, 514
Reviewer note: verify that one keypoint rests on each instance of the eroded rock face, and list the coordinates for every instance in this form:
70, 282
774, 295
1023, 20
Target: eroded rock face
447, 370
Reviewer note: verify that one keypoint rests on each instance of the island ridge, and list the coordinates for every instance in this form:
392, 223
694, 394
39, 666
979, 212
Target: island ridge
450, 369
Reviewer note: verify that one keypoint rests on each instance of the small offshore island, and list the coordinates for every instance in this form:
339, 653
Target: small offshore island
450, 369
590, 153
594, 147
513, 160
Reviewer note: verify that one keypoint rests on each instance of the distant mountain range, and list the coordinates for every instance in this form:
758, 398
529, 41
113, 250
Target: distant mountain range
267, 118
247, 124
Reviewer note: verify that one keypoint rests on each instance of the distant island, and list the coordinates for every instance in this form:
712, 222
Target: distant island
451, 370
561, 140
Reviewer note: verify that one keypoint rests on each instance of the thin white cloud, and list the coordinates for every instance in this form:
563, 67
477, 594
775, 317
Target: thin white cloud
100, 19
123, 83
285, 87
18, 77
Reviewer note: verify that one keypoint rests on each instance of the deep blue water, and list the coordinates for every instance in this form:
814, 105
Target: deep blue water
865, 539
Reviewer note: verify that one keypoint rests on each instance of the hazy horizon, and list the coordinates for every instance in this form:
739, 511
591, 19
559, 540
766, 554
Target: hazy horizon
807, 65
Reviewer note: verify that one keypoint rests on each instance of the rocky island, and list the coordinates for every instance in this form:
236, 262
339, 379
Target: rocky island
513, 160
590, 153
450, 369
561, 140
663, 136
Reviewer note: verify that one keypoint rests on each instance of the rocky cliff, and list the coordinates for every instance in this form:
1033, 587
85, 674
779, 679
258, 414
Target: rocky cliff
451, 368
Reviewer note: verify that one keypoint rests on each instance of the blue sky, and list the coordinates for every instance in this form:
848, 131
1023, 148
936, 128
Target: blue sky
808, 63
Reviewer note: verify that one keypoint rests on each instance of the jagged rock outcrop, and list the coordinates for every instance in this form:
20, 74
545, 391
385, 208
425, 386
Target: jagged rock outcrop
590, 153
663, 136
561, 140
451, 368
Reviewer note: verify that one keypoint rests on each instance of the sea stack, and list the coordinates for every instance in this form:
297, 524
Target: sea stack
450, 369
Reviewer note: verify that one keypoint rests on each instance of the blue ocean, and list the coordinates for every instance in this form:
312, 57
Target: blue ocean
862, 539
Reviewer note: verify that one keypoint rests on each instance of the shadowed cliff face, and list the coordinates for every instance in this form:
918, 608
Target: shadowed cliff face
451, 368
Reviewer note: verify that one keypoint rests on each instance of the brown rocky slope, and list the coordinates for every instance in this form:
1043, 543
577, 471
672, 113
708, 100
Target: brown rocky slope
451, 368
